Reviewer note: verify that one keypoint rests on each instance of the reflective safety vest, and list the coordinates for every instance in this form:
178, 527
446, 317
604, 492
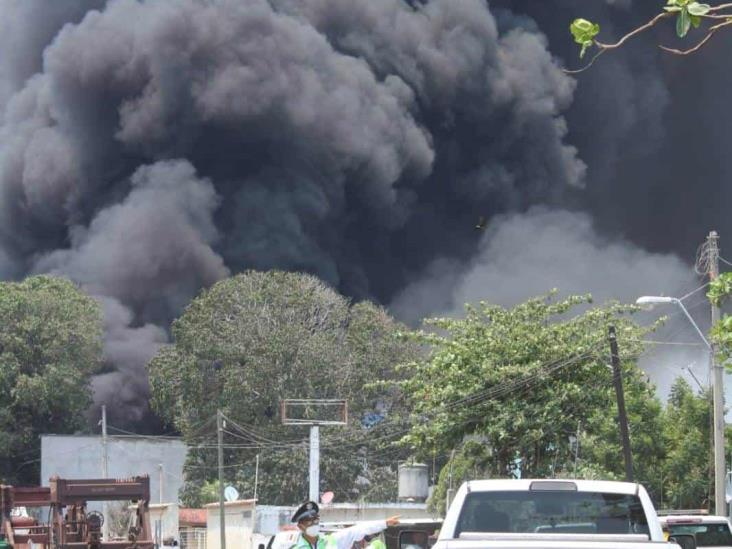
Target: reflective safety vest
324, 542
376, 544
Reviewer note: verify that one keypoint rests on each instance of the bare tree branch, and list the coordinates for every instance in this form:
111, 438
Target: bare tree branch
635, 32
587, 66
720, 7
703, 41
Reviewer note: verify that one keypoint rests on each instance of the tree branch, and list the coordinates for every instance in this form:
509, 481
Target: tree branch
603, 47
720, 7
587, 66
635, 32
703, 41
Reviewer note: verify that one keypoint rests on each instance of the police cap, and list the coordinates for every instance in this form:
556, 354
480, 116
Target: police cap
307, 510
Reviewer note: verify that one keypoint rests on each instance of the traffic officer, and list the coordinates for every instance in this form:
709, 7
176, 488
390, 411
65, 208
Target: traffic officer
307, 518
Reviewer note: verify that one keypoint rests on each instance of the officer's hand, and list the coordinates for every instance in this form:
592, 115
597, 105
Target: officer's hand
393, 521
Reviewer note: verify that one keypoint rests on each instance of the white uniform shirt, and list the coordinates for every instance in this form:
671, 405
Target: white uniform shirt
343, 539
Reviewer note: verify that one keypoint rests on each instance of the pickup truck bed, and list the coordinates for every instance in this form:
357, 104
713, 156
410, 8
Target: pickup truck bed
551, 514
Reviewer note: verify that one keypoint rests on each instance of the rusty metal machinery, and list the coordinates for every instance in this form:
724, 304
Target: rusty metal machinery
20, 532
73, 528
70, 525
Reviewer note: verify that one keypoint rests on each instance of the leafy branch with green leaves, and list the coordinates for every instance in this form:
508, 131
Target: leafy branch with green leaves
687, 13
719, 289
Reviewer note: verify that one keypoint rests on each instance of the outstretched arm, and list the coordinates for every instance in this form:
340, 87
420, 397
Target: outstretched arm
346, 537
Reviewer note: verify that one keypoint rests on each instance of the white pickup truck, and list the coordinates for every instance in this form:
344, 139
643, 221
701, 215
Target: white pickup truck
553, 514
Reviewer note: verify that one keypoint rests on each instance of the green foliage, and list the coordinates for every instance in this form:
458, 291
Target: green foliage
279, 335
721, 333
198, 495
50, 344
688, 13
584, 33
687, 470
720, 288
520, 381
600, 448
472, 459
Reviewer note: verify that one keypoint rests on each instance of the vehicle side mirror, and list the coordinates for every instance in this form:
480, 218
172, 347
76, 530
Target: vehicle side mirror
685, 541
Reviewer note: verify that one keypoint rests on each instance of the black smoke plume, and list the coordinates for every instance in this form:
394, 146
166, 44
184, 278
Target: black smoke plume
149, 148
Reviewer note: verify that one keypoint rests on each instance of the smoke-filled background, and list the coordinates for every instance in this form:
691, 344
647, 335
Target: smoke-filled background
150, 148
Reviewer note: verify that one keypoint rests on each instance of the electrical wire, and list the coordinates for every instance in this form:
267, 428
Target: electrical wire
723, 260
682, 298
258, 441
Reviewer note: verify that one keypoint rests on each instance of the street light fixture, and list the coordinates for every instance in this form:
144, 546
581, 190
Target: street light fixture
718, 406
657, 300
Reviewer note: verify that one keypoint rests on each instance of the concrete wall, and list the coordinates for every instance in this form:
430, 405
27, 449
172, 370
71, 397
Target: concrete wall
239, 518
166, 514
80, 457
347, 512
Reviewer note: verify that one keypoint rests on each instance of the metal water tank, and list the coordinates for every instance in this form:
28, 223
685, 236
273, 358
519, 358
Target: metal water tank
413, 482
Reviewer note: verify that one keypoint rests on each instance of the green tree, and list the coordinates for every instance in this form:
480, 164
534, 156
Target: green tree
504, 392
600, 447
252, 340
50, 344
687, 471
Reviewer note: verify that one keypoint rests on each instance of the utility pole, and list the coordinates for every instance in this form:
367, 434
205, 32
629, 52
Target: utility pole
577, 448
720, 504
622, 416
105, 471
222, 519
160, 482
314, 463
256, 476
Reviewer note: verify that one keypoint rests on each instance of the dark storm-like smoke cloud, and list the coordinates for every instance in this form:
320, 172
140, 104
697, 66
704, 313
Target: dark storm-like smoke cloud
520, 253
150, 148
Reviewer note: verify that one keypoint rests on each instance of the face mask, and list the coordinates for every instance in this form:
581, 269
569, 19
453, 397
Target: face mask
313, 530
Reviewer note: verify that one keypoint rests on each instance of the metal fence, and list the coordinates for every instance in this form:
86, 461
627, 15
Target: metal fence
193, 538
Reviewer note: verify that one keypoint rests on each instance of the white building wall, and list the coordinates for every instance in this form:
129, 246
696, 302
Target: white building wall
166, 515
70, 456
239, 519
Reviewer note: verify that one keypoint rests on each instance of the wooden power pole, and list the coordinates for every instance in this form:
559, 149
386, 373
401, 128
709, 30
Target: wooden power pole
622, 415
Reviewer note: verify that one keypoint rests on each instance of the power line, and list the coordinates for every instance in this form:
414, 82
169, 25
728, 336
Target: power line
682, 298
655, 342
723, 260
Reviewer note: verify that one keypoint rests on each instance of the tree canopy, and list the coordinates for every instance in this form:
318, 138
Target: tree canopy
508, 391
525, 390
50, 345
257, 338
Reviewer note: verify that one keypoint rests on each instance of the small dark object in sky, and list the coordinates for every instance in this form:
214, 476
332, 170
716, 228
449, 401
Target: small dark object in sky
481, 223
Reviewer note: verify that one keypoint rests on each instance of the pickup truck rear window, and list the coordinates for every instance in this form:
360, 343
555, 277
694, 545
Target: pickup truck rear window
708, 534
552, 512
